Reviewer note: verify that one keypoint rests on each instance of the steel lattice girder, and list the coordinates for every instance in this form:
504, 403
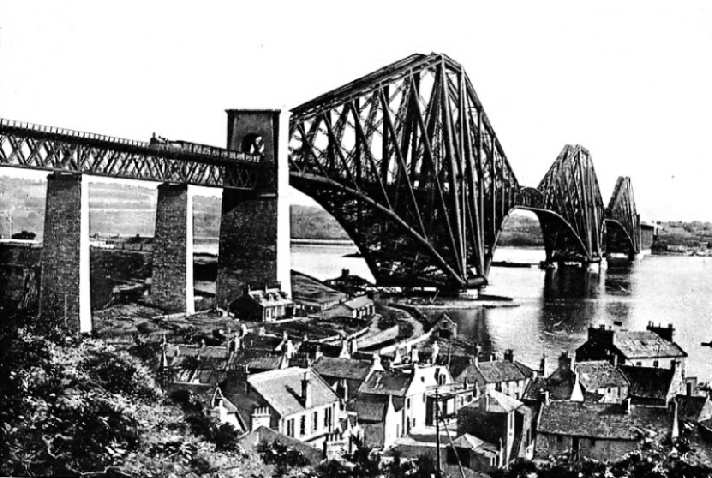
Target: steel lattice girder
622, 216
407, 161
25, 145
570, 190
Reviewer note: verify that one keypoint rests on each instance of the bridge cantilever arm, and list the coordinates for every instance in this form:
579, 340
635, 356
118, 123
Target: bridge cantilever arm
359, 195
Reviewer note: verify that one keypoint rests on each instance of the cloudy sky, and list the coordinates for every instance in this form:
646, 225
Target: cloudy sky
631, 81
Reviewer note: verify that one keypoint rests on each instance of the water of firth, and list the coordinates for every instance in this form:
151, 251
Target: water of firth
556, 307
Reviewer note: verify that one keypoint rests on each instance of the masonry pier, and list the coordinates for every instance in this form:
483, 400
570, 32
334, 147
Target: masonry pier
64, 286
172, 279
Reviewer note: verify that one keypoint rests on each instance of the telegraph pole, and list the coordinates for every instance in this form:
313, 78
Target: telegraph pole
438, 466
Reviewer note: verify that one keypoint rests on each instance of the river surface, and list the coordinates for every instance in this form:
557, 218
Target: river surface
556, 307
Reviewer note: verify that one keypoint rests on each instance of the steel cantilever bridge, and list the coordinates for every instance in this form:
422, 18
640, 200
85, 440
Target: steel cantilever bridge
407, 161
404, 158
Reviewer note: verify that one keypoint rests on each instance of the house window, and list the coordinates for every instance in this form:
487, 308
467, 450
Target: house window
407, 404
315, 421
559, 439
303, 425
655, 363
327, 418
290, 427
593, 442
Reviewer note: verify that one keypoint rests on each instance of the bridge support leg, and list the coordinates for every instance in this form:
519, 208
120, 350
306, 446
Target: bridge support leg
172, 279
254, 230
64, 285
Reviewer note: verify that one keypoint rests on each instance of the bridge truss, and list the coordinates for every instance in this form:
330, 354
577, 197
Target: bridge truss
570, 208
30, 146
407, 161
622, 220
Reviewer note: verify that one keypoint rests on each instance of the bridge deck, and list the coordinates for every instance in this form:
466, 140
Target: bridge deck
31, 146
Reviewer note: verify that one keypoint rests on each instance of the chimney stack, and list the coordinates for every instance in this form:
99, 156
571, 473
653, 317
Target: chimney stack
307, 390
318, 353
565, 362
509, 355
544, 397
542, 366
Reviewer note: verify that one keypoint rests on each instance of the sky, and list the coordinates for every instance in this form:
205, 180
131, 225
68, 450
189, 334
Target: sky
631, 81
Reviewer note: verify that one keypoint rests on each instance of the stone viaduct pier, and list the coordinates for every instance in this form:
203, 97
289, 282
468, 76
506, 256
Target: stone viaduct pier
254, 231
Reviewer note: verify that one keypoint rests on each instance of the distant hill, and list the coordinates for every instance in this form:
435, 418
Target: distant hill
129, 210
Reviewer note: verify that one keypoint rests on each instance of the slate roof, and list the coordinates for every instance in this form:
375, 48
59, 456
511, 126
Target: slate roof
690, 407
358, 302
499, 402
347, 368
559, 384
648, 382
387, 382
495, 372
646, 344
282, 389
477, 445
372, 408
602, 420
595, 375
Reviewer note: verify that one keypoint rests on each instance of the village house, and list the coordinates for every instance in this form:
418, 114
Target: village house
361, 307
599, 431
409, 383
475, 454
345, 375
562, 384
654, 347
294, 401
349, 283
501, 421
602, 382
446, 327
693, 408
266, 304
312, 297
506, 376
380, 418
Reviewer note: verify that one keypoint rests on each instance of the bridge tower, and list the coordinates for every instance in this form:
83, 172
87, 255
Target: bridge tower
254, 227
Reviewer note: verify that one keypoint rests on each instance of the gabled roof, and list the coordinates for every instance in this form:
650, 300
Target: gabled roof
358, 302
600, 374
560, 385
499, 402
496, 371
350, 369
282, 389
477, 445
372, 408
387, 382
601, 420
648, 382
